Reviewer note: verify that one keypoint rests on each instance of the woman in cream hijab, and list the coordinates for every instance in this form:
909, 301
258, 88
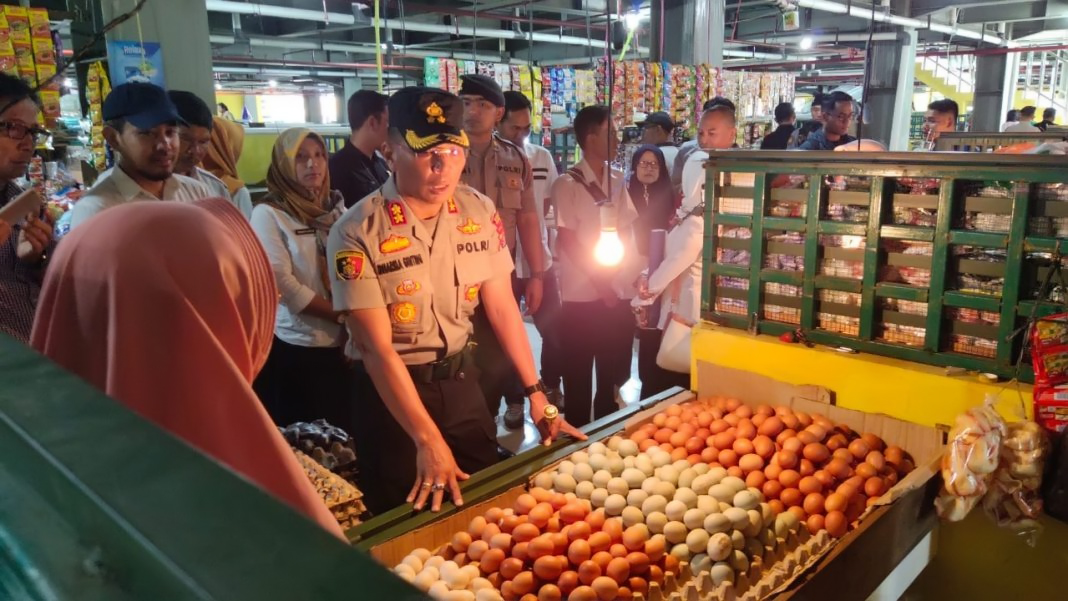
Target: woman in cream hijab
306, 376
227, 140
176, 330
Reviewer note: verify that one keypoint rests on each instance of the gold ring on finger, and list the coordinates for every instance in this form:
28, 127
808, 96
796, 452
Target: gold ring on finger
425, 485
437, 487
551, 413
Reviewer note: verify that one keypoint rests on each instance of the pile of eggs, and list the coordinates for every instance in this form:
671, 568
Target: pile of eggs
547, 547
823, 473
707, 517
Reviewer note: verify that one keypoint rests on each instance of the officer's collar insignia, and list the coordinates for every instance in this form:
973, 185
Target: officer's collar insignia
453, 209
434, 114
469, 227
394, 244
396, 213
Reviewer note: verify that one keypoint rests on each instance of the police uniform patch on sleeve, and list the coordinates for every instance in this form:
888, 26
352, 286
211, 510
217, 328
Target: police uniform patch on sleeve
408, 287
349, 264
469, 227
404, 313
396, 213
394, 243
501, 238
471, 294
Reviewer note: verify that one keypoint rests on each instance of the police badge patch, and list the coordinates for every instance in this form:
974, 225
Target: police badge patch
349, 264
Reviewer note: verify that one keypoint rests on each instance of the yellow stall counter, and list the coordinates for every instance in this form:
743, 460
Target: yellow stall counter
913, 392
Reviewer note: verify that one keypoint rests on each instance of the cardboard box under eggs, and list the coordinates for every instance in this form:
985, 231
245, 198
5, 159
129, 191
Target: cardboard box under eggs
793, 564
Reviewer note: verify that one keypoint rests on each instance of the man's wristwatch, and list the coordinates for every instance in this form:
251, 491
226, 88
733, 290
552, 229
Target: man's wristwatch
538, 386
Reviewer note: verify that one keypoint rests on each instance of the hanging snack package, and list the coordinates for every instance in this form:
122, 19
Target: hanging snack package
970, 459
1049, 357
1014, 499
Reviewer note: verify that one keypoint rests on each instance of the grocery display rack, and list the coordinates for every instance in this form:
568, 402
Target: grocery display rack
936, 258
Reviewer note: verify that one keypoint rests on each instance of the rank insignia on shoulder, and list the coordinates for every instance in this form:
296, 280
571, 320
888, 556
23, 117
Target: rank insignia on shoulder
404, 313
349, 264
394, 243
396, 213
501, 238
453, 209
469, 227
471, 294
408, 287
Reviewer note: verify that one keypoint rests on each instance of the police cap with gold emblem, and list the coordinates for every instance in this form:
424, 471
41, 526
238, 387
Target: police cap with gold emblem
427, 117
484, 86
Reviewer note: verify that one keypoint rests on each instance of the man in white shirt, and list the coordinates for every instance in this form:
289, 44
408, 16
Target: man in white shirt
717, 130
515, 127
141, 124
1026, 116
658, 129
596, 321
194, 136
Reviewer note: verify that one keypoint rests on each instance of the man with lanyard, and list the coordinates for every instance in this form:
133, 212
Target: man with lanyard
596, 323
837, 116
356, 170
515, 127
500, 170
408, 267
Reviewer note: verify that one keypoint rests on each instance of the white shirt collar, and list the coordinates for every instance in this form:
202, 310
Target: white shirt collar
129, 189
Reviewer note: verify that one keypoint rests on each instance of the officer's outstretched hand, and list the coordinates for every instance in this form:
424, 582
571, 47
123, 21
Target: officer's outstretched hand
550, 429
435, 472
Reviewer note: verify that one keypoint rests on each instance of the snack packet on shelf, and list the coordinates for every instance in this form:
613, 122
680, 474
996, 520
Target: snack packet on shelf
970, 459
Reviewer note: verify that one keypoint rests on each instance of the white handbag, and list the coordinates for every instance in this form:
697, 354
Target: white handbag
674, 353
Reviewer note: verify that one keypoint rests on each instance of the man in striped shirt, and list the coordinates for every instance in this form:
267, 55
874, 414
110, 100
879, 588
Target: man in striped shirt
515, 127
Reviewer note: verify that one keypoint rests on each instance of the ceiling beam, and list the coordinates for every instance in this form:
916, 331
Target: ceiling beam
1002, 13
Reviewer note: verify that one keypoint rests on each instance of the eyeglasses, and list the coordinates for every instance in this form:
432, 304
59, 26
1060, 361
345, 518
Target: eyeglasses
18, 131
441, 153
840, 116
648, 164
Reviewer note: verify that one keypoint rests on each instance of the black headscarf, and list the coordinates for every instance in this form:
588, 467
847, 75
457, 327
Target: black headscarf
656, 214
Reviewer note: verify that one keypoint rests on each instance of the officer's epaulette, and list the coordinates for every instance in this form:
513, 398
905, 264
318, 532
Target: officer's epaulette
515, 146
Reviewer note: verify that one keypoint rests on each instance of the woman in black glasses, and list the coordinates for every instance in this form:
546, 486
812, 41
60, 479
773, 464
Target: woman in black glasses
649, 185
23, 250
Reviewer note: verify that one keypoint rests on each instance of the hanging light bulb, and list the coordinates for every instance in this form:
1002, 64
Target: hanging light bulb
609, 248
632, 20
272, 83
806, 43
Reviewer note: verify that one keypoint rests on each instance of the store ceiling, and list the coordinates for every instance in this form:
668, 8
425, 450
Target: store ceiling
273, 36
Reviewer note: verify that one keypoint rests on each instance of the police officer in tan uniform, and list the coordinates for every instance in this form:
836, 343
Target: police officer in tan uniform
410, 264
500, 170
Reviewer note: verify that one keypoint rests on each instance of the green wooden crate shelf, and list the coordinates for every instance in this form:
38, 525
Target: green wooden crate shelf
879, 308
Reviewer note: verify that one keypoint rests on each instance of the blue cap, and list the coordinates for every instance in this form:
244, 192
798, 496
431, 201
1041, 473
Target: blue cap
142, 104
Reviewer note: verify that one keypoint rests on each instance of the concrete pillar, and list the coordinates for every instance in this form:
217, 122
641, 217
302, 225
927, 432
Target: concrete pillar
312, 108
350, 85
181, 29
888, 106
693, 32
993, 91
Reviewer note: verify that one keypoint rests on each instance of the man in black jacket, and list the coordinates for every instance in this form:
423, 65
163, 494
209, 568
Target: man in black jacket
783, 136
356, 170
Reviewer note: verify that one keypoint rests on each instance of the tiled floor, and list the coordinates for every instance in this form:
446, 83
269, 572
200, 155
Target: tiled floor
520, 440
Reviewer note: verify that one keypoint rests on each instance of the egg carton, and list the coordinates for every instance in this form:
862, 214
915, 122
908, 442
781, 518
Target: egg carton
767, 575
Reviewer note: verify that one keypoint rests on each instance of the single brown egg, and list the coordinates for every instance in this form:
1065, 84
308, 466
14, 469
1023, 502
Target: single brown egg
789, 478
815, 523
589, 571
550, 592
783, 436
813, 503
816, 452
582, 593
866, 470
785, 459
825, 478
874, 487
809, 485
568, 581
618, 570
511, 567
791, 497
771, 426
606, 588
876, 460
579, 551
835, 502
523, 504
873, 441
859, 449
772, 489
836, 524
548, 568
525, 533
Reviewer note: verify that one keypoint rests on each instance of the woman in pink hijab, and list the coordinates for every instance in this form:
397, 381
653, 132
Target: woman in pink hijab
169, 308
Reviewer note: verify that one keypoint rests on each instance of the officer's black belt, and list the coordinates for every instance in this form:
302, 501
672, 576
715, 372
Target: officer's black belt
442, 369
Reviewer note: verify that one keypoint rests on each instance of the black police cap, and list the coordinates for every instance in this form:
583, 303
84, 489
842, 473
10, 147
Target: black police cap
427, 117
484, 86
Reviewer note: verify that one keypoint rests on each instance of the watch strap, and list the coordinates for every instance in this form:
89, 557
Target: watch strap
538, 386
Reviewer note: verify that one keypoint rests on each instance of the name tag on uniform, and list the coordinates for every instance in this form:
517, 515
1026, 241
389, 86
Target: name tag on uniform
305, 232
